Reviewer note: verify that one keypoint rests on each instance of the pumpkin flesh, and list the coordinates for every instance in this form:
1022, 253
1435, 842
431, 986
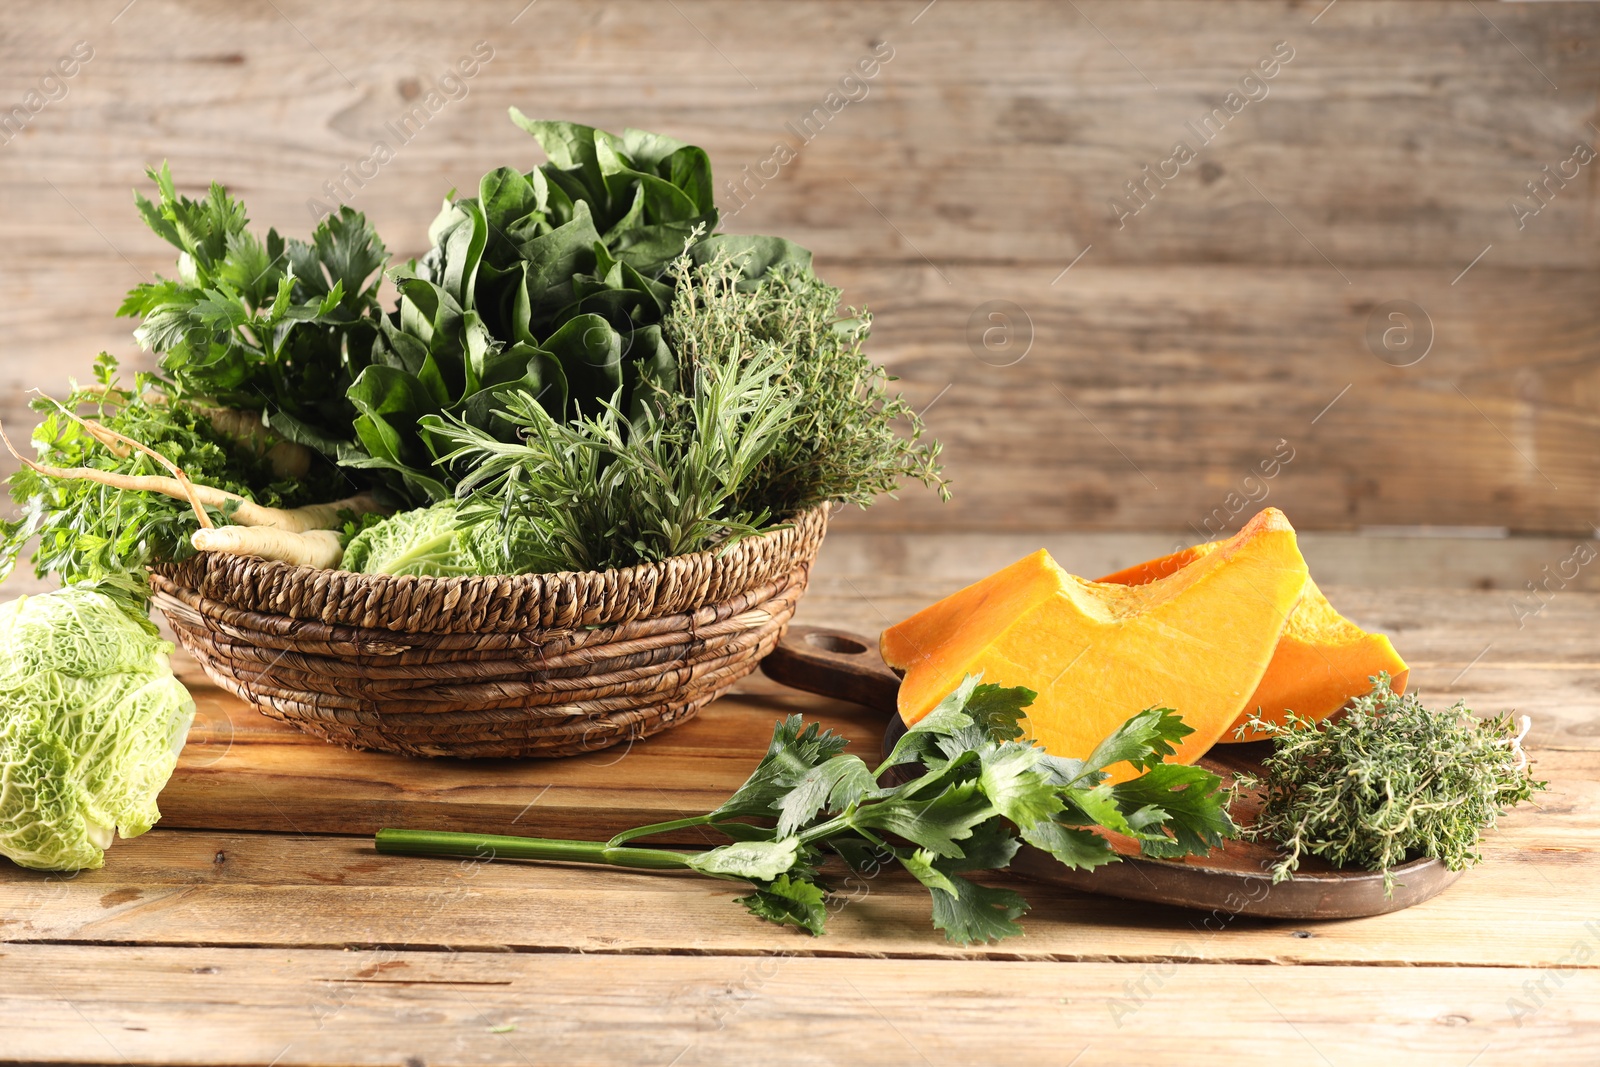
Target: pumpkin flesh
1322, 661
1197, 641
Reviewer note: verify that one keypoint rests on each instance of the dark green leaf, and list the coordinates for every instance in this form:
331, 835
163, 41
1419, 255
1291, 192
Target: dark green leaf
1010, 778
830, 786
796, 748
976, 913
1144, 740
937, 823
789, 902
1195, 804
1073, 846
999, 711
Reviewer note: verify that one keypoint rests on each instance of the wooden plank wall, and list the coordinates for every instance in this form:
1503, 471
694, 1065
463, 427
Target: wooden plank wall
1222, 325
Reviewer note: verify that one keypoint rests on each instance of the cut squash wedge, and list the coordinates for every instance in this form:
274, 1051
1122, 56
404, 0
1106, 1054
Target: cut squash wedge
1197, 641
1322, 659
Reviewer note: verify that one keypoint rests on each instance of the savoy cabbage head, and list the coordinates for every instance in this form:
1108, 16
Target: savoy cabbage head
91, 723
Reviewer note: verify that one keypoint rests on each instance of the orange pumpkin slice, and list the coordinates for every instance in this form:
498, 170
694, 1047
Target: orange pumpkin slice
1321, 662
1197, 641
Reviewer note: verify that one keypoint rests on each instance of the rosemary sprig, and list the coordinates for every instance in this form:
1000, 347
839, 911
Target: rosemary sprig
850, 439
601, 491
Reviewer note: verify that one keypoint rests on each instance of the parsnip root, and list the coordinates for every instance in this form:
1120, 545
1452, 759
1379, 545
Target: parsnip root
288, 459
246, 513
313, 548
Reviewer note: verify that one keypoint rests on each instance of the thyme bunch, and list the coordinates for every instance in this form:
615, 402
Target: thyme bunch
1388, 782
850, 439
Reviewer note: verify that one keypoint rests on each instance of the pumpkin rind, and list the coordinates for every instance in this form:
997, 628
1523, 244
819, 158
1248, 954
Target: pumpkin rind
1198, 641
1322, 661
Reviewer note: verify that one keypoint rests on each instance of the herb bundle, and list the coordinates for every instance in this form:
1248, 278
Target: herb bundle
88, 530
979, 793
778, 411
1389, 781
849, 439
578, 375
275, 327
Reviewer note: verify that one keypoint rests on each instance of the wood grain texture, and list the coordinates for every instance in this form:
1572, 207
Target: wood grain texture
251, 889
243, 771
241, 1006
1164, 367
1386, 561
217, 946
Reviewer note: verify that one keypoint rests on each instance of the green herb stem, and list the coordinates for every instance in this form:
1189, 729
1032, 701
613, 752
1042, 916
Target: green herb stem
496, 847
982, 793
661, 828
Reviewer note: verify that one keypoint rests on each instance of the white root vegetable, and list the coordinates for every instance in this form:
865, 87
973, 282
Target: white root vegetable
303, 536
246, 513
314, 548
288, 459
121, 447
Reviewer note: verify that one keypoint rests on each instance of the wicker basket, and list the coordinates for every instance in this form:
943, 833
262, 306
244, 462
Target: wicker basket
533, 665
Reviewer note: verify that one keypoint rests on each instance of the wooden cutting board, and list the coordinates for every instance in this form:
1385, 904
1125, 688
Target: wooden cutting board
1233, 880
243, 771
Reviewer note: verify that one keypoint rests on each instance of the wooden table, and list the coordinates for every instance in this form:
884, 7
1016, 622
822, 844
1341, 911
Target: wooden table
258, 926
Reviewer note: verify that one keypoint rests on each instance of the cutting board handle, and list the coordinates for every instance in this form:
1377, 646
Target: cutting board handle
833, 663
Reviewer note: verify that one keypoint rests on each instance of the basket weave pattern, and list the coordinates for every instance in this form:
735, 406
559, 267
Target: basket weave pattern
531, 665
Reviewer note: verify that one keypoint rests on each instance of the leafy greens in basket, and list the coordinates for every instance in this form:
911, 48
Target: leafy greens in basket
552, 282
273, 327
981, 792
578, 374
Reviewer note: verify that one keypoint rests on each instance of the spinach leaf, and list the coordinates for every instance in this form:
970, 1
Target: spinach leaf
551, 283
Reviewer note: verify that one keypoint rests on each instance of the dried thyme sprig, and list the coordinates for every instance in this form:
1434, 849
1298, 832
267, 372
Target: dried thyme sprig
1388, 782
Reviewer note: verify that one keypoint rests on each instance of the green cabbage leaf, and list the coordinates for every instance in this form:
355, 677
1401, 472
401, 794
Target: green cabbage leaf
91, 723
441, 542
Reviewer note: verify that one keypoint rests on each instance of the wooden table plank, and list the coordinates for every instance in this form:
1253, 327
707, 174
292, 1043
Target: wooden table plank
260, 1006
208, 945
203, 887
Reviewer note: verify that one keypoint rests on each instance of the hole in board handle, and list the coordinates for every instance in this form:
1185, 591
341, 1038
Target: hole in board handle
848, 646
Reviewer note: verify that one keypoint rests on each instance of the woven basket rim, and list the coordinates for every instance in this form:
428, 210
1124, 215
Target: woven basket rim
499, 603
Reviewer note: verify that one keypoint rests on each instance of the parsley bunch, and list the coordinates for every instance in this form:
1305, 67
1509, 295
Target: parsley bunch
960, 794
276, 326
1388, 782
89, 531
